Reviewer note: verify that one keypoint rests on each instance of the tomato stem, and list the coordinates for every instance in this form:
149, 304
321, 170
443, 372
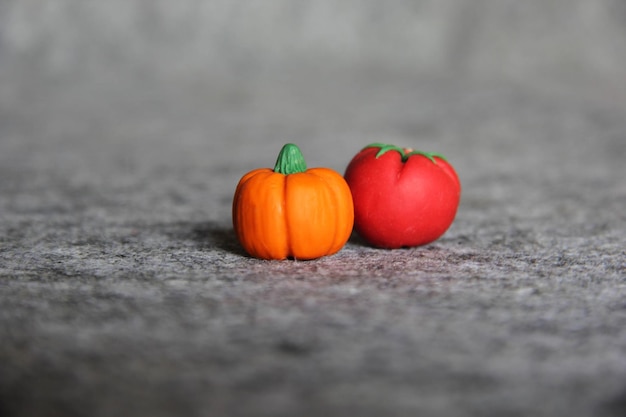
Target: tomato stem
406, 154
290, 160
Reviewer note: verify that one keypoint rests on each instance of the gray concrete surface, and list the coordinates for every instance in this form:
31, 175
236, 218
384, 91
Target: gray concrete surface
125, 126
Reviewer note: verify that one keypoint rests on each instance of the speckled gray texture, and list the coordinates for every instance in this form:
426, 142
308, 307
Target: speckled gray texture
125, 126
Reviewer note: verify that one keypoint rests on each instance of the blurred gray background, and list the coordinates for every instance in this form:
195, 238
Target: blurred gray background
125, 126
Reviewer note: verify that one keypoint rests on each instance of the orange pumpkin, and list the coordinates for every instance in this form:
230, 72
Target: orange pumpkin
292, 211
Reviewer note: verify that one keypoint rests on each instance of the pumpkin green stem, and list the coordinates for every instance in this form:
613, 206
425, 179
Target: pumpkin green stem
290, 160
405, 155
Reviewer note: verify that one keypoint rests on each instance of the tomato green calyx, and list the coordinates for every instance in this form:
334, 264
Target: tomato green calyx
405, 153
290, 160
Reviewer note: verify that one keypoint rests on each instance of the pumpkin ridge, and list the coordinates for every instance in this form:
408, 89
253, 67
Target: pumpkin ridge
332, 196
286, 218
335, 196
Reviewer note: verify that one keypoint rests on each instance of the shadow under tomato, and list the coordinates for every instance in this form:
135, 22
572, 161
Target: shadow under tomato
357, 240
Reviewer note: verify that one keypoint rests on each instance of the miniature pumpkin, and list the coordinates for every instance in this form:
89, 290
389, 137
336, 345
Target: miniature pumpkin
292, 211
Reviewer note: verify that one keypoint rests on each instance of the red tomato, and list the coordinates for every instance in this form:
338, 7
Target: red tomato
402, 197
